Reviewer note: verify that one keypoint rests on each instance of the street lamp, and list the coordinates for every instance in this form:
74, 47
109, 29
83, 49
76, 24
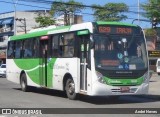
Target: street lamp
140, 20
15, 4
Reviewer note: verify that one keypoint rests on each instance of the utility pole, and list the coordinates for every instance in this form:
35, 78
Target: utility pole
66, 17
24, 23
138, 13
15, 4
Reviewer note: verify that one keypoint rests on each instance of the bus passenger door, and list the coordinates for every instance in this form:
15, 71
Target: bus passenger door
43, 62
83, 47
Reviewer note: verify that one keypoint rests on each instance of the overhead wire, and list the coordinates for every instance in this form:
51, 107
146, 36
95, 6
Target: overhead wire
24, 4
86, 6
51, 2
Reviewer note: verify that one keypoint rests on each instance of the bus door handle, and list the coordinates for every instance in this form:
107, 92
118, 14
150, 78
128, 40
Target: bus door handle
84, 63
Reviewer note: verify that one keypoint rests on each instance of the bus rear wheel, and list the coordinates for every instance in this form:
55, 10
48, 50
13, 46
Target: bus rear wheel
23, 82
70, 89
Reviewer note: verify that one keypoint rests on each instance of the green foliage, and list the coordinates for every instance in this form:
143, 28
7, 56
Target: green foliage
152, 9
150, 32
110, 12
44, 20
67, 9
60, 7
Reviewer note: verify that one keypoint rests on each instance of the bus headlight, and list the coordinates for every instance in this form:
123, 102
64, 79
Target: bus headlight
100, 77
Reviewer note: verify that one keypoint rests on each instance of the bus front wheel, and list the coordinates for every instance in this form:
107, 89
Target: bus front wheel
23, 82
70, 89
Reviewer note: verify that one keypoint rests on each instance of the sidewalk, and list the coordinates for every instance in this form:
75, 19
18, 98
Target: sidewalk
154, 88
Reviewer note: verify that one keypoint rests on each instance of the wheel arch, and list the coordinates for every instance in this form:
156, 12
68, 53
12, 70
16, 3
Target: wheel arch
65, 78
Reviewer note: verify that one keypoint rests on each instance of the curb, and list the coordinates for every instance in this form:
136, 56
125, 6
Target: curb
150, 96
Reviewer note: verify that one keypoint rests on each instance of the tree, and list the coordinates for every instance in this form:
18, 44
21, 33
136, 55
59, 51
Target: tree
44, 20
150, 32
151, 38
66, 8
110, 12
152, 10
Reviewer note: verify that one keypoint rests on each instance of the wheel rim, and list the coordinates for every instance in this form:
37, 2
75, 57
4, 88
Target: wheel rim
71, 88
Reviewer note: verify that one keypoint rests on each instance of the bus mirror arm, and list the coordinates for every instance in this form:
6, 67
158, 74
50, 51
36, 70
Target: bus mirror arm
92, 44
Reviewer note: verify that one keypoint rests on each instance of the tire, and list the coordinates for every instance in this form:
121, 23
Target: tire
70, 89
23, 83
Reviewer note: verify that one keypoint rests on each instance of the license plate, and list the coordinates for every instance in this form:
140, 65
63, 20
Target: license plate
125, 89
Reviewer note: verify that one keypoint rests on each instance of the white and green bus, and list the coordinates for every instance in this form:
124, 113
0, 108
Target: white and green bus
93, 58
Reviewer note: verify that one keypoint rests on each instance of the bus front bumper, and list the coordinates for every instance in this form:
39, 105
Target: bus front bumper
105, 90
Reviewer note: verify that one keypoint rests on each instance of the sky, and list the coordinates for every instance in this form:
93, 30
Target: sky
133, 6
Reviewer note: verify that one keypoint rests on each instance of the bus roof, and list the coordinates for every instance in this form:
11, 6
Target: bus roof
61, 29
39, 33
115, 23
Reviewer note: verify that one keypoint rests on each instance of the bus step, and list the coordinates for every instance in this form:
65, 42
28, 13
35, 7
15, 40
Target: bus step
83, 92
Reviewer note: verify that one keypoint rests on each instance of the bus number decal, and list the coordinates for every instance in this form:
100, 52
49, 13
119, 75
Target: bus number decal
103, 29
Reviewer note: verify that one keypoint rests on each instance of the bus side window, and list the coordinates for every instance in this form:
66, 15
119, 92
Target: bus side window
28, 48
54, 46
18, 49
35, 48
61, 46
69, 45
10, 52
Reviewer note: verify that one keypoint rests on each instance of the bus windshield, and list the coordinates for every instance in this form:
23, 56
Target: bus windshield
120, 52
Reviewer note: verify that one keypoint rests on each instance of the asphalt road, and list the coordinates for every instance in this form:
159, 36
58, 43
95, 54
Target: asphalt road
11, 96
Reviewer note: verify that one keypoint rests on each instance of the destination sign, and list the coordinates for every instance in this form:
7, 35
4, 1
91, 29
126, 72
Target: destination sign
115, 30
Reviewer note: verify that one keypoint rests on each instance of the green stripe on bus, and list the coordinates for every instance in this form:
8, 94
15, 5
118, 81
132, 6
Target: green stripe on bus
26, 64
50, 72
123, 81
41, 33
29, 35
32, 68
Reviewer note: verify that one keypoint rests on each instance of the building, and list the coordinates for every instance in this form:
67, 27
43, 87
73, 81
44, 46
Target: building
73, 19
153, 46
15, 23
20, 22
